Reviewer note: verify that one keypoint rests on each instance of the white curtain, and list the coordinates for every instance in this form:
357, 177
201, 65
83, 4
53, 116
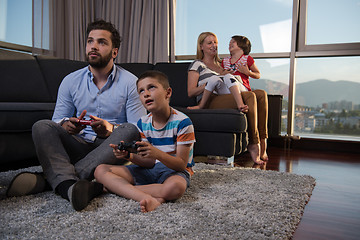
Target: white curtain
147, 27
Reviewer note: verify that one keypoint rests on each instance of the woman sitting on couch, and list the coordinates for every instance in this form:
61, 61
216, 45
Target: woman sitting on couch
208, 65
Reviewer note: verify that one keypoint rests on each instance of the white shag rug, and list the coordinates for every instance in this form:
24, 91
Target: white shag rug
221, 203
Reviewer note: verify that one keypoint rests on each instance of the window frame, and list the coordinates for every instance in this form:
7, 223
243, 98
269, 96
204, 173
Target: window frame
319, 50
14, 46
299, 49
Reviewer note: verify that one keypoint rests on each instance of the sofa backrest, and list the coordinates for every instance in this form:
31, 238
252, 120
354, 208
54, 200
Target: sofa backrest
177, 74
21, 79
54, 70
137, 68
25, 78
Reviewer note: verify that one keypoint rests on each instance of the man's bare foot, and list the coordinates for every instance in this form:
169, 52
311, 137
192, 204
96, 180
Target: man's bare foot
193, 107
149, 204
254, 150
263, 147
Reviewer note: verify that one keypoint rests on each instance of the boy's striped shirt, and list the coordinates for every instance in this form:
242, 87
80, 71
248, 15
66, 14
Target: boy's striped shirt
178, 130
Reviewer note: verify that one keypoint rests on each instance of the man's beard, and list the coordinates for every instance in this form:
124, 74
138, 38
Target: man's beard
100, 62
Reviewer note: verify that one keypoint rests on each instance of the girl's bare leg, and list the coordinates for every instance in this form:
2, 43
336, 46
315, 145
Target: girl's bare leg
205, 98
238, 99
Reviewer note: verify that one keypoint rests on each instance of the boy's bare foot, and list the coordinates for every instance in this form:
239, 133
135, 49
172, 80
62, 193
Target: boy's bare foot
193, 107
263, 153
149, 204
254, 150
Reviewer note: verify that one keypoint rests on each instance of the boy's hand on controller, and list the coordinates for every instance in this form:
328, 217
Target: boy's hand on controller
118, 153
147, 150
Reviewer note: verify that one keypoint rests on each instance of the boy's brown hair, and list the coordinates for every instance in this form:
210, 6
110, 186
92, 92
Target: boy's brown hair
159, 76
243, 43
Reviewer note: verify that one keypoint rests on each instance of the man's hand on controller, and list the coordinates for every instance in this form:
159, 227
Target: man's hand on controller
72, 126
102, 127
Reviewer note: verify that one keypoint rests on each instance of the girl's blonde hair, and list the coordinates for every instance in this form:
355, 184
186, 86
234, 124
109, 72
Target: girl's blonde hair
200, 41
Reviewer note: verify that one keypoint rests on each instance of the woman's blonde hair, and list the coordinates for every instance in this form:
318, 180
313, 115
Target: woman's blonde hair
200, 41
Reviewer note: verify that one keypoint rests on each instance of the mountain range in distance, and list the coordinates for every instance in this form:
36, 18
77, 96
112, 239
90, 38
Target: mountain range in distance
313, 93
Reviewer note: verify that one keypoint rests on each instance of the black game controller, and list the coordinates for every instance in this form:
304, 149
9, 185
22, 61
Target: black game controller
85, 122
131, 147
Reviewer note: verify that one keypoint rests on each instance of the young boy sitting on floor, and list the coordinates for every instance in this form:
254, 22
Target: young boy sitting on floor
161, 167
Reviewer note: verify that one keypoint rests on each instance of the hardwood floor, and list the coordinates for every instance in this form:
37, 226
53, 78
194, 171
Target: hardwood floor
333, 211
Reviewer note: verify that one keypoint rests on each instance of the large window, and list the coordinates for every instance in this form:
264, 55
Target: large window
267, 23
327, 101
312, 60
332, 21
16, 22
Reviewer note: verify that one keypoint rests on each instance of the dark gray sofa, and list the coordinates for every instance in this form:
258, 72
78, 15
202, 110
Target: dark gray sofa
28, 93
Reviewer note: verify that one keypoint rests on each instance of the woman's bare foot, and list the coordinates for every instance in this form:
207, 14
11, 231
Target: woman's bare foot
194, 107
149, 204
254, 150
263, 147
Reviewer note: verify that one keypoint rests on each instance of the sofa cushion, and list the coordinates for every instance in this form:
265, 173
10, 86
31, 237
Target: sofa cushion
21, 79
177, 74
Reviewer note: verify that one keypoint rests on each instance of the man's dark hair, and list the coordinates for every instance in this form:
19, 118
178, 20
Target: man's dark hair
100, 24
159, 76
243, 43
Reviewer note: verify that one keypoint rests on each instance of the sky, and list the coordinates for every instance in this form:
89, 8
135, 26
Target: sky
330, 21
16, 21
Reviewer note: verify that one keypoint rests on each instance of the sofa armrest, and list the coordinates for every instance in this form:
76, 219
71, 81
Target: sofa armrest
20, 116
227, 120
274, 115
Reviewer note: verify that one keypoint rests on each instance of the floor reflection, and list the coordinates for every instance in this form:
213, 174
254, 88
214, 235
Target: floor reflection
335, 198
